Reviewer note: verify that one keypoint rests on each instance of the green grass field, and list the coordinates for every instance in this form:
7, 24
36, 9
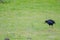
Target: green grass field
24, 19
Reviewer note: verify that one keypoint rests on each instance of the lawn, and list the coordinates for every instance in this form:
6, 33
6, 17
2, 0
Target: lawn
24, 19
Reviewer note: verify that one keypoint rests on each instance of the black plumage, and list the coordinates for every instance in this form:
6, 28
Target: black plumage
7, 39
50, 22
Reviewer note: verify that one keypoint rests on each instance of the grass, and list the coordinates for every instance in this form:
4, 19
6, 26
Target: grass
24, 19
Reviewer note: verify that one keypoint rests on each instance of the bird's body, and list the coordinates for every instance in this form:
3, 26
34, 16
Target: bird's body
50, 22
6, 38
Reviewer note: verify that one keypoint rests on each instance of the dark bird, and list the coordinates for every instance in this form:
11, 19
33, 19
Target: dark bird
7, 39
50, 22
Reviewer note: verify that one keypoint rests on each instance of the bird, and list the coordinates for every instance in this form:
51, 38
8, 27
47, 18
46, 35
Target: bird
7, 39
50, 22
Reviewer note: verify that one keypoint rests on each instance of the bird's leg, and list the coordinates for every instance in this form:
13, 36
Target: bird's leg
52, 26
49, 26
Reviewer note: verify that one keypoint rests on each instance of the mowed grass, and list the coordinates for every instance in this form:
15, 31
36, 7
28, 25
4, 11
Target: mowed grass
24, 20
